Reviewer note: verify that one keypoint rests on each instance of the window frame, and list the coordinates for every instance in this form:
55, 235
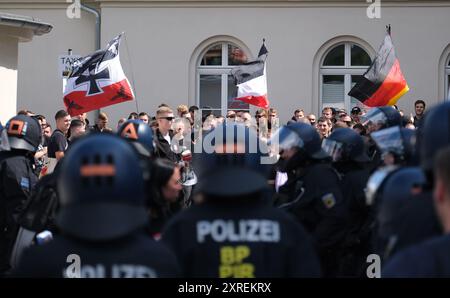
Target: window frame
224, 70
446, 79
347, 70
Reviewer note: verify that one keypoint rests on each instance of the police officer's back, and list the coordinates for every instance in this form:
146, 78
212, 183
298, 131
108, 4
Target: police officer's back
17, 179
101, 219
234, 232
313, 192
401, 187
430, 258
420, 221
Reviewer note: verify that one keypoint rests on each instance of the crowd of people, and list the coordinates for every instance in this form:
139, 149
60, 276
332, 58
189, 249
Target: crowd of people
342, 186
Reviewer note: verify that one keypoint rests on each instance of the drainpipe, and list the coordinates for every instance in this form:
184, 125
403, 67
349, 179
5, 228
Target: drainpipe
97, 33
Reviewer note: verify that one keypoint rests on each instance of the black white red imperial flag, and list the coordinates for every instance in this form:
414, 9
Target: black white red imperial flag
97, 81
251, 81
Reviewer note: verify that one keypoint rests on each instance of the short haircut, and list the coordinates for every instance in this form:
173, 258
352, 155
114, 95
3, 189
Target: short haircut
102, 116
420, 101
182, 109
76, 123
25, 112
193, 109
323, 119
133, 115
61, 114
163, 110
327, 109
40, 117
144, 114
163, 105
442, 166
298, 111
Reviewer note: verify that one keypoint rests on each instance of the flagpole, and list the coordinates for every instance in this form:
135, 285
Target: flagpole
132, 74
98, 24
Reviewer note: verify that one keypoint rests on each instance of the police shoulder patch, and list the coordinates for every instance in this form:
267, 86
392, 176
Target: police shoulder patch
329, 200
25, 183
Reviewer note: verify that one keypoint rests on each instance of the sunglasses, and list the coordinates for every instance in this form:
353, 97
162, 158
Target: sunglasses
167, 118
231, 116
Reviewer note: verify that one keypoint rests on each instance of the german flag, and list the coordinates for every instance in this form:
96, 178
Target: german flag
383, 83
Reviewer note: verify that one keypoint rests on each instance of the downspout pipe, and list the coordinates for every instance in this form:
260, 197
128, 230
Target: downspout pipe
98, 22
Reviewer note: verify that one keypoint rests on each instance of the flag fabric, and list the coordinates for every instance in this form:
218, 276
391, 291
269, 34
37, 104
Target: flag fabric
251, 81
97, 81
383, 83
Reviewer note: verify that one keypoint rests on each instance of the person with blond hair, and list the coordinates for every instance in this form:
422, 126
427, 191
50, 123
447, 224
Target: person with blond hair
164, 134
102, 123
182, 110
324, 127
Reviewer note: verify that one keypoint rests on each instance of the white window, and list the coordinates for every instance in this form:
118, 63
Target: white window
215, 85
447, 79
341, 68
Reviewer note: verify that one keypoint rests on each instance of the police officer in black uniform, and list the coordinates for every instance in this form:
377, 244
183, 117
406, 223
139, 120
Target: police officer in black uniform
430, 258
349, 158
399, 187
419, 205
420, 219
101, 218
231, 231
312, 192
17, 178
377, 119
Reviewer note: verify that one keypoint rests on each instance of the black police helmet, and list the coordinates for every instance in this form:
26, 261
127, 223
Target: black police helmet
232, 162
434, 134
396, 140
140, 134
309, 138
101, 189
344, 144
24, 133
381, 117
398, 188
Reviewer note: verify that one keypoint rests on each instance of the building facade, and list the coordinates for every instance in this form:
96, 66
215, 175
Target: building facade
181, 52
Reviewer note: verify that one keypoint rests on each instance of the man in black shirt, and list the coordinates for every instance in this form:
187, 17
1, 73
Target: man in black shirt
164, 135
58, 140
419, 107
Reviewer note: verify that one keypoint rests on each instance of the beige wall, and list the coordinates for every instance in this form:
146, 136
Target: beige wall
39, 82
161, 40
8, 77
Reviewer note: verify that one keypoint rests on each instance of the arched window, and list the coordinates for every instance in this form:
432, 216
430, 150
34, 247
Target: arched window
215, 85
447, 79
342, 67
